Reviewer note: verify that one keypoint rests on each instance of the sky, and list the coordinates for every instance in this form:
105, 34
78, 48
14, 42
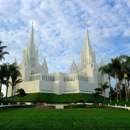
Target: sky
59, 29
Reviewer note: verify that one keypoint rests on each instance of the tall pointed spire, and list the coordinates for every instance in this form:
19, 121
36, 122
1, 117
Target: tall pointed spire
31, 38
44, 67
15, 60
73, 68
87, 47
102, 62
73, 63
87, 37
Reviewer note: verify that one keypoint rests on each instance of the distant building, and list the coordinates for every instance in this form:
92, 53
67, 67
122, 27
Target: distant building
83, 78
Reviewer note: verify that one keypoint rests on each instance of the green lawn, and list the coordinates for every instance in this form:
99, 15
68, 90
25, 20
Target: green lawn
68, 119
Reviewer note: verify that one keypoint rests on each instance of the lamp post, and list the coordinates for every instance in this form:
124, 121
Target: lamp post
125, 77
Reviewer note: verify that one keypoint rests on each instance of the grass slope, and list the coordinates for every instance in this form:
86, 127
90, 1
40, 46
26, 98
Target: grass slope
53, 98
65, 119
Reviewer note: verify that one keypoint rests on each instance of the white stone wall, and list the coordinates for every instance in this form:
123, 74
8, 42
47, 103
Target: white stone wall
71, 87
46, 86
86, 87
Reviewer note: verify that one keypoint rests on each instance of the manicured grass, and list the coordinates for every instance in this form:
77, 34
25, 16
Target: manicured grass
53, 98
68, 119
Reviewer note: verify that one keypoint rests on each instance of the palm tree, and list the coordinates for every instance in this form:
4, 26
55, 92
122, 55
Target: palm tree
2, 67
96, 94
115, 66
7, 76
106, 70
126, 70
14, 74
2, 53
104, 86
2, 75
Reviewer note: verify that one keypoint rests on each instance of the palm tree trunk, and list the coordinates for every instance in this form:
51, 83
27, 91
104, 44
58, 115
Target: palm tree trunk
104, 96
6, 92
12, 92
7, 85
116, 88
126, 91
120, 88
0, 89
109, 86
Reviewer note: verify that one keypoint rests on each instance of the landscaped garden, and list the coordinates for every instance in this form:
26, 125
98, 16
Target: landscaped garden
54, 98
74, 116
78, 118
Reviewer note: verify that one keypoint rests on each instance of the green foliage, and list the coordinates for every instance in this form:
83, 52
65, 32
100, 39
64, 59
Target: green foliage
97, 93
21, 93
113, 94
5, 102
2, 53
66, 119
105, 70
53, 98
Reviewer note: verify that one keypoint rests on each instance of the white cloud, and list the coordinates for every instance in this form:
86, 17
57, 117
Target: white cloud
59, 29
127, 32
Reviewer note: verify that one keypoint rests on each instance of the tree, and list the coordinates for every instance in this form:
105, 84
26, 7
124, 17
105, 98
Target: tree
113, 94
2, 67
123, 91
6, 77
115, 66
2, 53
2, 75
21, 93
96, 94
106, 70
104, 86
1, 95
126, 71
14, 74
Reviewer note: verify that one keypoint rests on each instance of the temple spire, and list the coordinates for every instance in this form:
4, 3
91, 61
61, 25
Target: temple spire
73, 68
44, 67
73, 62
102, 62
87, 37
31, 38
15, 60
87, 47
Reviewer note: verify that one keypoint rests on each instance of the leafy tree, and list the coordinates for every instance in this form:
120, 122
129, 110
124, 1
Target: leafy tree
104, 86
2, 75
1, 95
2, 53
97, 93
106, 70
123, 92
21, 93
126, 71
2, 68
113, 93
14, 74
6, 77
115, 66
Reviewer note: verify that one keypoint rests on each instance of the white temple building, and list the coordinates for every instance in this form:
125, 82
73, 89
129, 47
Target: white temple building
83, 78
